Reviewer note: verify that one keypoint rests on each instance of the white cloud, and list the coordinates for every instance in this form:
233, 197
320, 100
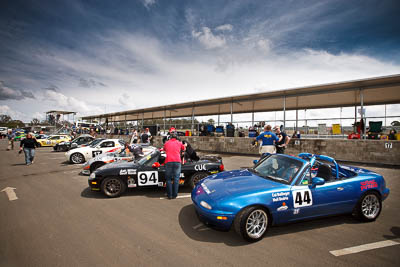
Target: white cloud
124, 100
14, 114
264, 45
148, 3
69, 103
225, 27
208, 39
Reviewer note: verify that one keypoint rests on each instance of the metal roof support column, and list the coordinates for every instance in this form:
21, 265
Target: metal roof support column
219, 110
125, 121
232, 112
385, 116
192, 128
142, 119
284, 113
252, 116
165, 115
362, 113
297, 114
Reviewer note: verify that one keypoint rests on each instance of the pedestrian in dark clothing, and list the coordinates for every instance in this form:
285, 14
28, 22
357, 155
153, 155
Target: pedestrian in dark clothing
29, 144
173, 149
190, 153
282, 142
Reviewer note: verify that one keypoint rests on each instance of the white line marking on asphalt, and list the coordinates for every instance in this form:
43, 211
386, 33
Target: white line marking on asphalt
365, 247
182, 196
10, 193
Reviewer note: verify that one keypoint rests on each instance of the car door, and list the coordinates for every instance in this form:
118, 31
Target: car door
149, 175
333, 197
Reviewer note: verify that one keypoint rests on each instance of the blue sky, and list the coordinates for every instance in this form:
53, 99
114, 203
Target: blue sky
104, 56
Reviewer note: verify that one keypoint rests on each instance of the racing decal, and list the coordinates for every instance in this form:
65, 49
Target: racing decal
182, 175
302, 198
181, 181
160, 184
96, 153
123, 172
114, 149
201, 167
283, 207
368, 184
296, 211
281, 196
131, 171
147, 178
131, 182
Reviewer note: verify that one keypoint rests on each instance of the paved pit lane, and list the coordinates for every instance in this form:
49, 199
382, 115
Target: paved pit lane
56, 220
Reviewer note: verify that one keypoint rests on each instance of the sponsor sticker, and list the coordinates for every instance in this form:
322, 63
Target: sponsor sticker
182, 175
281, 196
131, 183
200, 167
131, 171
296, 211
368, 184
283, 207
123, 172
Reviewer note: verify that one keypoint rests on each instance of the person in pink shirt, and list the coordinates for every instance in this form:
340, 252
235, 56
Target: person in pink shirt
173, 149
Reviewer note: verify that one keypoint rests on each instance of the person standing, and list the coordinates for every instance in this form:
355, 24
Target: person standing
10, 137
29, 144
283, 140
269, 140
134, 138
173, 149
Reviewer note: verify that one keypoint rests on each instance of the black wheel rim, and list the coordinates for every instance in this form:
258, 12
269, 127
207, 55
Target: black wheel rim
198, 178
112, 187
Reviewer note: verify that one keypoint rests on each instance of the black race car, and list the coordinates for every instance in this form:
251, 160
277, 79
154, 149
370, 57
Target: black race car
79, 141
114, 178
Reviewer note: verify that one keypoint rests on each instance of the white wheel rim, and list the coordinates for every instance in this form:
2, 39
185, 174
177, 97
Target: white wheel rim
370, 206
256, 223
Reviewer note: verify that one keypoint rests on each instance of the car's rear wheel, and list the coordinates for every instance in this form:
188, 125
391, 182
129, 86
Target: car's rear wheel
252, 223
368, 207
113, 186
77, 158
95, 166
196, 178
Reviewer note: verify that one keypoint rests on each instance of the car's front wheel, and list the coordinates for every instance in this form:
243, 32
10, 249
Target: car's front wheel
77, 158
369, 207
252, 223
113, 186
197, 177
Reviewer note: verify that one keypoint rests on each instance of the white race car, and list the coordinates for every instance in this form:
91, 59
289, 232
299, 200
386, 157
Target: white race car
82, 154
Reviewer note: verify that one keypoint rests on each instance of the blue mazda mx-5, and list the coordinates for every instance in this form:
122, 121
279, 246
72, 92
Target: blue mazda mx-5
282, 188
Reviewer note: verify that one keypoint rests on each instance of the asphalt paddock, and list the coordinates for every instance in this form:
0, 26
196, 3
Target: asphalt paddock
57, 221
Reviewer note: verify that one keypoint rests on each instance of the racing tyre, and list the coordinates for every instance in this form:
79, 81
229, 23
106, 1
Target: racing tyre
95, 166
368, 207
197, 177
113, 187
252, 223
77, 158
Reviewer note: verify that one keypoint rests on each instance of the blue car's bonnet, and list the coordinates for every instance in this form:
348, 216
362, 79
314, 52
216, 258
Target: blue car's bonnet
238, 182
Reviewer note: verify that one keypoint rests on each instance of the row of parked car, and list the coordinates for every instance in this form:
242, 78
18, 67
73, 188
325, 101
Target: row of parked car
278, 189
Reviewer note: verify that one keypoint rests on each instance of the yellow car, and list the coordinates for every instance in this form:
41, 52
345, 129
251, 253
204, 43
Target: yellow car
54, 139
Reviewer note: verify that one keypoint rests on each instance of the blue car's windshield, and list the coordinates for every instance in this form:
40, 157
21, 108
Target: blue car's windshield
278, 168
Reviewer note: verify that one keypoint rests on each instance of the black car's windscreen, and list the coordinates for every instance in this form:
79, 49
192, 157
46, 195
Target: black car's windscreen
279, 168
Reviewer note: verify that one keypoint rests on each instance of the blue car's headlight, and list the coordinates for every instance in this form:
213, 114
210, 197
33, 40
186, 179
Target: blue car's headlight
205, 205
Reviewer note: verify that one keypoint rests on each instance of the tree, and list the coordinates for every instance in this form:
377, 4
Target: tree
5, 119
211, 121
35, 121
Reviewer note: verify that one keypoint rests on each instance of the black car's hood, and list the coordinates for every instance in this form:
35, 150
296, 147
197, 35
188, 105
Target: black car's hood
117, 166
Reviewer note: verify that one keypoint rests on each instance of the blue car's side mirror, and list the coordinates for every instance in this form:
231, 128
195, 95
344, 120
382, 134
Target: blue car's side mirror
255, 161
317, 181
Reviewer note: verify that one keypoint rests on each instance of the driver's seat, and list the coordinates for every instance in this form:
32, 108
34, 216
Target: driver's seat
324, 171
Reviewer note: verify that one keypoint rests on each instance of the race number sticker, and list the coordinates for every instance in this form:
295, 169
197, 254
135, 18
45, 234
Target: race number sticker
96, 153
147, 178
302, 198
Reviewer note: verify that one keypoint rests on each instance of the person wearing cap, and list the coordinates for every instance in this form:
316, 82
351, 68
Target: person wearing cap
269, 140
173, 149
168, 136
146, 136
283, 140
